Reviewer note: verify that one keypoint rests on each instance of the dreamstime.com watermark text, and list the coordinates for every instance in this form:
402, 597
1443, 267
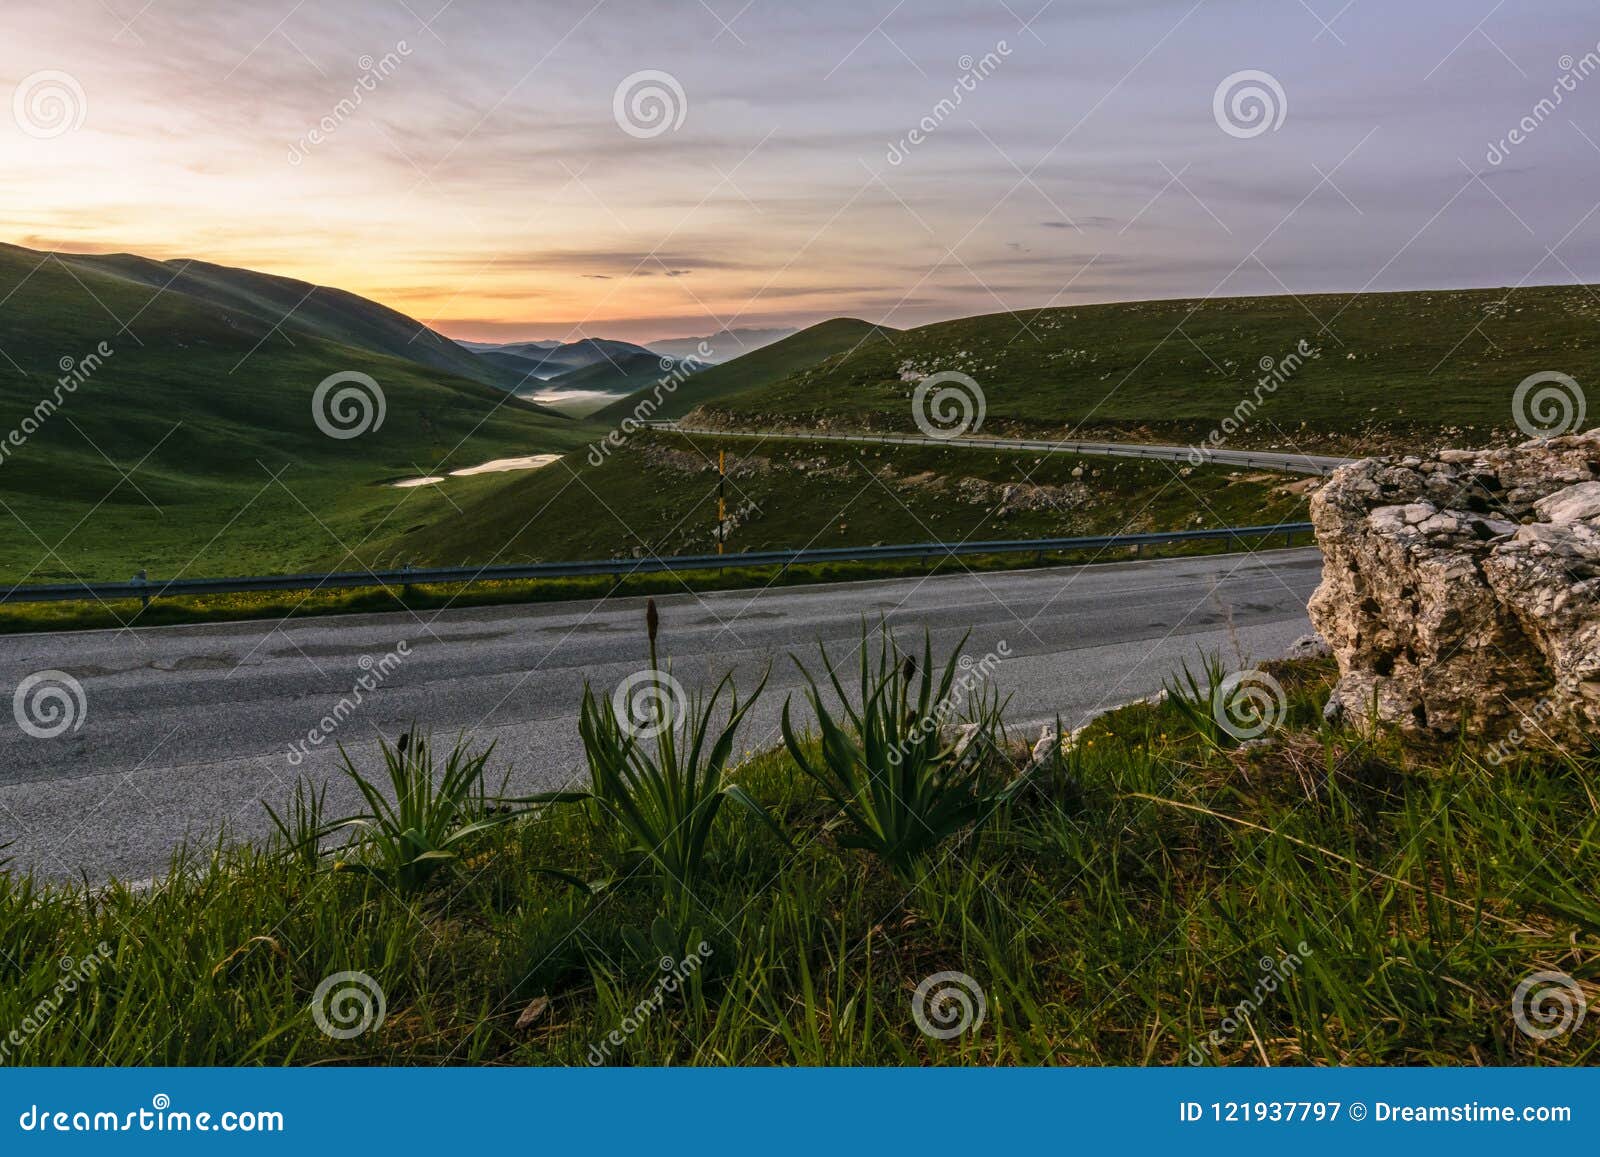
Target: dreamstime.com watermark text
1275, 973
160, 1117
681, 371
677, 975
373, 674
973, 73
76, 974
74, 372
1274, 373
373, 73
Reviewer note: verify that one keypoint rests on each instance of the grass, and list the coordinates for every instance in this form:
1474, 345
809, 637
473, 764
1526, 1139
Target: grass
658, 496
207, 471
415, 828
22, 618
1118, 911
1395, 369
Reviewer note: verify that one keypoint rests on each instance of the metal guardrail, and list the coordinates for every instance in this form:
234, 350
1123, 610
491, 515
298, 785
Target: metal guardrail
147, 589
1294, 463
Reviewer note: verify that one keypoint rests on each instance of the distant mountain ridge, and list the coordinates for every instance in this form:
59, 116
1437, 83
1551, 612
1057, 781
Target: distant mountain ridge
479, 347
538, 361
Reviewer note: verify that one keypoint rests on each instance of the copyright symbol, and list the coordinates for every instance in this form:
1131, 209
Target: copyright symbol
1358, 1112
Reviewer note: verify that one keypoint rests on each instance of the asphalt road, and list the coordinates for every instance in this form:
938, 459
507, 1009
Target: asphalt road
185, 730
1263, 459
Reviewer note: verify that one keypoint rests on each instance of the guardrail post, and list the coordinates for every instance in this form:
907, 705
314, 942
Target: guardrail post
405, 585
142, 578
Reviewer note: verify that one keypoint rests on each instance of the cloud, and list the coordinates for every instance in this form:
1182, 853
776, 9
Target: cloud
471, 187
1078, 224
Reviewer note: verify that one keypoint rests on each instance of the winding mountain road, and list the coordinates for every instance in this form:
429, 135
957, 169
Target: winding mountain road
1293, 463
183, 730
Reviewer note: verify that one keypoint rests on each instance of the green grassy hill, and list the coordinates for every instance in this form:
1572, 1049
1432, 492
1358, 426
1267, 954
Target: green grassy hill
658, 495
772, 363
203, 406
298, 306
1389, 367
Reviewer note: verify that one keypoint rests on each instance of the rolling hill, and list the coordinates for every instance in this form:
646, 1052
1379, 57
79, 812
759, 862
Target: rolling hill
658, 494
722, 346
772, 363
298, 306
160, 429
1391, 369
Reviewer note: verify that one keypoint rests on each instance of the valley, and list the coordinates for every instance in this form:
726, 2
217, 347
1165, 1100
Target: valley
217, 457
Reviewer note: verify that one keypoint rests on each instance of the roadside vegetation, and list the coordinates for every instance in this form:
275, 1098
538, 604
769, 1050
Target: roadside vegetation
76, 615
1118, 899
657, 496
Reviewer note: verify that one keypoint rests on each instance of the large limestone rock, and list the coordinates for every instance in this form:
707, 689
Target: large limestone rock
1463, 589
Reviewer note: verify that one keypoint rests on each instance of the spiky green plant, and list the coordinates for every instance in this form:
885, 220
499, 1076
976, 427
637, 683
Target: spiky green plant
301, 828
431, 817
663, 780
903, 785
1200, 699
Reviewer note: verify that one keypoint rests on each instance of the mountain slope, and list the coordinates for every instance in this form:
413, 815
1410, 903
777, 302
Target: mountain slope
623, 376
769, 364
657, 494
1392, 369
540, 360
298, 306
165, 431
523, 369
582, 391
722, 346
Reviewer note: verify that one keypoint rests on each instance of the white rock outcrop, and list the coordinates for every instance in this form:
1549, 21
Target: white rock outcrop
1463, 589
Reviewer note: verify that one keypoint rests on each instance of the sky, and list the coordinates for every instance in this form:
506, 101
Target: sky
482, 165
